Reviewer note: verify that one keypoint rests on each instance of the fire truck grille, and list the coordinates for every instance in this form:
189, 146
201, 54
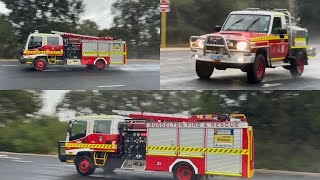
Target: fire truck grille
215, 40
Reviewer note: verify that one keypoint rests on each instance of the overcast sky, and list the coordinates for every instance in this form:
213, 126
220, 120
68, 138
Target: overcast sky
95, 10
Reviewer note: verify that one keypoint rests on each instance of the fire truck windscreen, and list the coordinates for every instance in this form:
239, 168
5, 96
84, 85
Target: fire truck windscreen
247, 22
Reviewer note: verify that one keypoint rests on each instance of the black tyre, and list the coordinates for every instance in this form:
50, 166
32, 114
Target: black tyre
183, 171
40, 64
297, 65
100, 64
256, 71
112, 164
85, 165
204, 69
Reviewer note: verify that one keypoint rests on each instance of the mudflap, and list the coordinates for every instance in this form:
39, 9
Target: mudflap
112, 163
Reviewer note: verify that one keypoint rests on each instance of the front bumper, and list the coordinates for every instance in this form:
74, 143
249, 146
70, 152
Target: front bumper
234, 58
22, 60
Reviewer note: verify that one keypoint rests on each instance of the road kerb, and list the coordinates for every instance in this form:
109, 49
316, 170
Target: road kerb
28, 154
267, 171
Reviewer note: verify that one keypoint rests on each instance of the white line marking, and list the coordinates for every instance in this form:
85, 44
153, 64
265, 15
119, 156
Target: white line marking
3, 156
8, 157
22, 161
271, 85
174, 59
8, 65
111, 86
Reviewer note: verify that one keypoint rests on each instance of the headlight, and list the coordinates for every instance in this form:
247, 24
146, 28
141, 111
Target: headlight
200, 43
242, 46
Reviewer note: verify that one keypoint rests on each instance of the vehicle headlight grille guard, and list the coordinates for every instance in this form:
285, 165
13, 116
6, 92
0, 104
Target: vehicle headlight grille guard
216, 41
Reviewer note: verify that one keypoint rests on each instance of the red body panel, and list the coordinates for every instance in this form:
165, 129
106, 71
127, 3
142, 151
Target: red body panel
162, 163
94, 139
245, 157
52, 48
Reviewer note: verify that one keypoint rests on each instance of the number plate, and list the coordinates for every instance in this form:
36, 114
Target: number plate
216, 57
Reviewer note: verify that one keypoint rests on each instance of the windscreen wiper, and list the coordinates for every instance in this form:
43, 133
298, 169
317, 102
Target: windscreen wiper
254, 22
230, 27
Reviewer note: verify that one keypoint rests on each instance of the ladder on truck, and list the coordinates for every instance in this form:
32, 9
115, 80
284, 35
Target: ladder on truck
159, 117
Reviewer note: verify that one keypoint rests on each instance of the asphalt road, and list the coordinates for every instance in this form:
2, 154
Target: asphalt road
178, 73
136, 75
30, 167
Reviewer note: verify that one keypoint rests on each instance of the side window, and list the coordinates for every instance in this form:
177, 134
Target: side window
52, 40
78, 130
35, 42
277, 24
101, 126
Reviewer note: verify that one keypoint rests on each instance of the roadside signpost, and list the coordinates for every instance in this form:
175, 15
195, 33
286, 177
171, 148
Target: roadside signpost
164, 8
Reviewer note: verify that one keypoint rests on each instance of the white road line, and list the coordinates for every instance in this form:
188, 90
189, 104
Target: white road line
8, 65
1, 156
22, 161
171, 59
111, 86
271, 85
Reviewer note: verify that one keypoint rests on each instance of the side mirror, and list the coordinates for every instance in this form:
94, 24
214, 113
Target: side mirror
218, 28
282, 31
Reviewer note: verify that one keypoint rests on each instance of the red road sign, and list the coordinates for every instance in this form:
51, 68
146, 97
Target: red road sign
164, 6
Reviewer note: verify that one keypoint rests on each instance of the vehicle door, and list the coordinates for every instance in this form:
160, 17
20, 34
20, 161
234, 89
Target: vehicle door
279, 45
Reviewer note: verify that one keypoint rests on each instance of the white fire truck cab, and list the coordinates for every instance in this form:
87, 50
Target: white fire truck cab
188, 146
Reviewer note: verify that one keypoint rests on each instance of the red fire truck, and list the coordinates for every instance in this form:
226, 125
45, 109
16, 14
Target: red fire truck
187, 146
252, 40
61, 48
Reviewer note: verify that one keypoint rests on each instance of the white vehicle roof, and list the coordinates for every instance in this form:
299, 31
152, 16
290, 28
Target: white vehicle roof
261, 12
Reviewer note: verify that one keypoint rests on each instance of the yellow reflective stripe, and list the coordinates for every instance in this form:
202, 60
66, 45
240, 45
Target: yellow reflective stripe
42, 52
268, 38
198, 149
99, 146
222, 173
190, 156
300, 39
103, 53
274, 59
299, 47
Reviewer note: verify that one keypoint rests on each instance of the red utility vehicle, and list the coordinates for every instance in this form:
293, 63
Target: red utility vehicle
253, 40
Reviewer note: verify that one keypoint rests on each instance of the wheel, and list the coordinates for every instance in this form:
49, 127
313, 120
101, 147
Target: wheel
85, 165
112, 164
256, 71
204, 69
40, 64
183, 171
100, 64
297, 66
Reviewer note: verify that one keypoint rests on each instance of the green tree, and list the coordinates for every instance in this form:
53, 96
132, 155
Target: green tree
152, 101
45, 16
32, 135
8, 39
138, 23
88, 27
17, 104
